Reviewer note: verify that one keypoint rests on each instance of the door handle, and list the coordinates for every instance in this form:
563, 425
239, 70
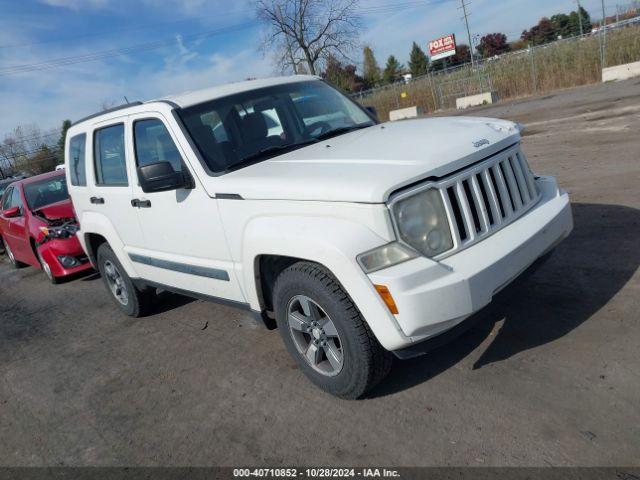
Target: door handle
97, 200
136, 202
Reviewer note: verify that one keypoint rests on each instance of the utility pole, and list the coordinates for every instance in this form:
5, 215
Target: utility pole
466, 21
580, 18
604, 35
473, 62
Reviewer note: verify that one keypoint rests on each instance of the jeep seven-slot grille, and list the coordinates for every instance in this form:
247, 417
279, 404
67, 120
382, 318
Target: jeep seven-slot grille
488, 196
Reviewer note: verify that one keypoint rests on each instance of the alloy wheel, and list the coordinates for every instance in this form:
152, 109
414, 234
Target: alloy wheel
315, 335
45, 266
12, 258
116, 282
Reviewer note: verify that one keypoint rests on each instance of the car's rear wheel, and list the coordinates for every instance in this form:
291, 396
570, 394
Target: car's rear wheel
131, 300
12, 258
326, 334
46, 268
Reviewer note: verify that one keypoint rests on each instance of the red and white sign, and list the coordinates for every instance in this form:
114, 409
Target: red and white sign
442, 47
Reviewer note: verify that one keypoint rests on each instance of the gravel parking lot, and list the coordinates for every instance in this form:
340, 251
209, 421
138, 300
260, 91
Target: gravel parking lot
549, 376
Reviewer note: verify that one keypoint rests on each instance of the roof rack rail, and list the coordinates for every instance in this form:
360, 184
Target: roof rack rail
108, 110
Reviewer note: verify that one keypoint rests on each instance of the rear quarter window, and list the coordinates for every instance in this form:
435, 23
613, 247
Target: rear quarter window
77, 160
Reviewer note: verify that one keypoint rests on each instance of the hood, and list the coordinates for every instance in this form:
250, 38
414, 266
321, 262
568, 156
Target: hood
367, 165
57, 211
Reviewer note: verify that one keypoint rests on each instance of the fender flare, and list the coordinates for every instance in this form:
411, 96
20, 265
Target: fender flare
333, 243
99, 224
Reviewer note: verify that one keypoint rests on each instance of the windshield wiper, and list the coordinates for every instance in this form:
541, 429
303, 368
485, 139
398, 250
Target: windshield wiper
339, 131
274, 149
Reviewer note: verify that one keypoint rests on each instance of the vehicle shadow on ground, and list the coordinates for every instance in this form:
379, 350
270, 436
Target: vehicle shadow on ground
587, 270
167, 301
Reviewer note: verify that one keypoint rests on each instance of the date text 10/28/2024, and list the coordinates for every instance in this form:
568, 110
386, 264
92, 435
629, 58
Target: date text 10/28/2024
315, 472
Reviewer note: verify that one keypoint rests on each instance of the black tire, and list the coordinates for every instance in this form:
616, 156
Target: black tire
138, 301
12, 259
365, 361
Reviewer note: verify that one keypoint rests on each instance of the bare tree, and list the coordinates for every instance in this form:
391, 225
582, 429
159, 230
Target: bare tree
303, 34
26, 149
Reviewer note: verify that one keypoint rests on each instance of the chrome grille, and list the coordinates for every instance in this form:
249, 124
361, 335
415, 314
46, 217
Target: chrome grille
488, 196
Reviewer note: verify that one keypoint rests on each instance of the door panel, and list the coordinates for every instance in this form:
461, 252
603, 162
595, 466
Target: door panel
109, 182
16, 229
184, 243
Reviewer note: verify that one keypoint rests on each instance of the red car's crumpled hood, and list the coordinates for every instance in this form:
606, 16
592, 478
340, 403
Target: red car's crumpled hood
57, 211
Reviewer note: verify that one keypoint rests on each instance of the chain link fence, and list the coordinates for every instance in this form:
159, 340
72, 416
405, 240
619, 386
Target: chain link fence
537, 70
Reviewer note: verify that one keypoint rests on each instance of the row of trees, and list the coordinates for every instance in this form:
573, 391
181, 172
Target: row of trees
319, 37
346, 76
28, 151
558, 26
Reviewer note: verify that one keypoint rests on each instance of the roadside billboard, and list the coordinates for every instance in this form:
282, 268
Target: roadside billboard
442, 47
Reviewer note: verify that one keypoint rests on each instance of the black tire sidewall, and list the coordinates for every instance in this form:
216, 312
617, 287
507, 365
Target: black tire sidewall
105, 253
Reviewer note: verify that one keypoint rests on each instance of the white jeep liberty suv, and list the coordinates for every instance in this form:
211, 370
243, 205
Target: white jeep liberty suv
357, 239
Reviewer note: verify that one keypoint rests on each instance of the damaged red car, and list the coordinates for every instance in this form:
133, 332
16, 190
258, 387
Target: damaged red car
38, 226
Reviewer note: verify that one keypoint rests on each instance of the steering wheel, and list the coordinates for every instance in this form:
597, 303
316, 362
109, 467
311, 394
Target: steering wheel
323, 126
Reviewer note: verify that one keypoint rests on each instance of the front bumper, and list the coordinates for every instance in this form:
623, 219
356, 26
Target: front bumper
433, 297
52, 249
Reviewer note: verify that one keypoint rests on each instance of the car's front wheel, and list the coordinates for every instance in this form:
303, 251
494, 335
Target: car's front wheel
133, 301
46, 269
326, 334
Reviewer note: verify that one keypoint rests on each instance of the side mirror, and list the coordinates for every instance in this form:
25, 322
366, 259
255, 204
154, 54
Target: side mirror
372, 111
11, 212
159, 177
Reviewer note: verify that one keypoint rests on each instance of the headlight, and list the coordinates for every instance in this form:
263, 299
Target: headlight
62, 231
422, 222
385, 256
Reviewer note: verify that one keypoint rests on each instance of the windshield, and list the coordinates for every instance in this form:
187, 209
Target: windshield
234, 131
45, 192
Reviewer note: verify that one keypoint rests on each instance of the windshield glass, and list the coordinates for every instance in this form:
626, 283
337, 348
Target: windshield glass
45, 192
234, 131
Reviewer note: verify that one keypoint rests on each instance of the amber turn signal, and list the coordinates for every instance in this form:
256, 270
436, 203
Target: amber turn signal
388, 300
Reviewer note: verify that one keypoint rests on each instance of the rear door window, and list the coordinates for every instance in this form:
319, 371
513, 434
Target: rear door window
109, 156
77, 165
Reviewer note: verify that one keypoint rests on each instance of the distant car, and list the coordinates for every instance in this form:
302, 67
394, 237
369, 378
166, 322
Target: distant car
60, 167
38, 226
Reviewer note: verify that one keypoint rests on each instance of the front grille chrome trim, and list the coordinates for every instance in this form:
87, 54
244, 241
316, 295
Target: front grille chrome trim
509, 192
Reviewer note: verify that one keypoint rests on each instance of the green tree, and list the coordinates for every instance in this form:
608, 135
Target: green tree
66, 124
392, 70
562, 25
574, 22
418, 61
370, 68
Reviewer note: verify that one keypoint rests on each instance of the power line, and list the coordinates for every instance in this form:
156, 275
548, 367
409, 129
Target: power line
105, 54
